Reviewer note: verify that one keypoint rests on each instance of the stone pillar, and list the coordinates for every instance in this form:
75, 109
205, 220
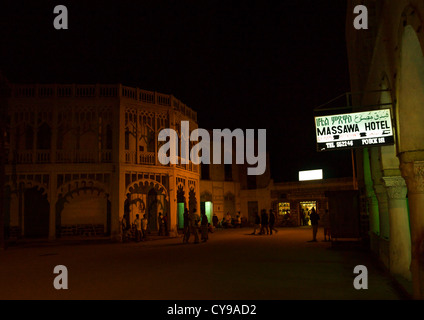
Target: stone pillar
53, 146
52, 201
413, 172
400, 236
117, 186
374, 220
172, 215
383, 208
117, 198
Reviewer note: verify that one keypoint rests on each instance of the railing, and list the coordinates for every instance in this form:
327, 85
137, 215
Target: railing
193, 167
97, 90
63, 156
64, 90
43, 156
24, 156
130, 157
147, 158
93, 156
140, 158
83, 156
106, 156
180, 164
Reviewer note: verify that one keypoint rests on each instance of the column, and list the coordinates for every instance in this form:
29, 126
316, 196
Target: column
413, 172
374, 221
117, 199
172, 215
374, 216
400, 236
383, 208
117, 183
53, 145
52, 201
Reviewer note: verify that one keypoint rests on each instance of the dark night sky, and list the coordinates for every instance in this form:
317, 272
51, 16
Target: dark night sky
239, 64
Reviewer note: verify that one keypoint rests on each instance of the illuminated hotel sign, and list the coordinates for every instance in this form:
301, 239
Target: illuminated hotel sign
354, 130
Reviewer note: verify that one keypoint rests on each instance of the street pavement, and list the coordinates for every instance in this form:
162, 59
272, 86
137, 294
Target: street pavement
231, 265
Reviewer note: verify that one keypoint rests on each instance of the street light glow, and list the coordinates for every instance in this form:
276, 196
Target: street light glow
310, 175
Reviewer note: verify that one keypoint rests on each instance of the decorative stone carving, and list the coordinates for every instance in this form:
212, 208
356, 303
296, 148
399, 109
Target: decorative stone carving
413, 172
395, 186
380, 192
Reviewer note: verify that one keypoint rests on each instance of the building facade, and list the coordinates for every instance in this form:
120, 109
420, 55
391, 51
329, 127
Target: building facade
80, 156
293, 201
226, 188
387, 68
222, 187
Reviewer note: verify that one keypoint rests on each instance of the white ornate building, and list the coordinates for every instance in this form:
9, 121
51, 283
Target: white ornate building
80, 155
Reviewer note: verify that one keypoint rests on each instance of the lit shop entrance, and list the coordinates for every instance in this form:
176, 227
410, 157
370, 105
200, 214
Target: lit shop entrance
206, 207
305, 211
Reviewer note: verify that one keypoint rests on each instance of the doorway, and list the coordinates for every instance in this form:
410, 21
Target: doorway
206, 207
36, 214
180, 207
152, 204
305, 211
252, 211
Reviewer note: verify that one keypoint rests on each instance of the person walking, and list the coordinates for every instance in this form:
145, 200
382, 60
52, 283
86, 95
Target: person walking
125, 228
194, 220
186, 229
257, 225
204, 227
314, 217
271, 221
144, 227
264, 222
165, 224
137, 223
237, 221
215, 220
161, 225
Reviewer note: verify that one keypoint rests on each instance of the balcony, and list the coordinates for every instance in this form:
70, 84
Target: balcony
149, 158
101, 91
63, 156
83, 156
133, 157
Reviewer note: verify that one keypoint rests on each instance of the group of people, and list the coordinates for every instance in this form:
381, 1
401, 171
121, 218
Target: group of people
192, 223
163, 225
265, 222
229, 222
325, 220
139, 227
